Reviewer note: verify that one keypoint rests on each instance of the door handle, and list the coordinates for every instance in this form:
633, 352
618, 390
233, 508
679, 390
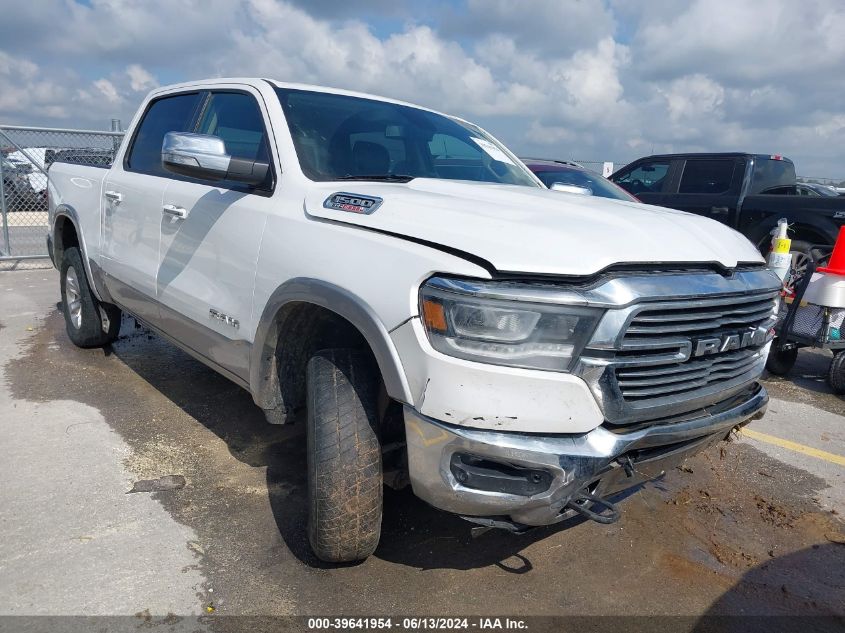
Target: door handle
114, 196
175, 212
719, 210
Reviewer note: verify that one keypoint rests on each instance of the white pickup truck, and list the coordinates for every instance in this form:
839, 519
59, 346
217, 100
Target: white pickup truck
521, 355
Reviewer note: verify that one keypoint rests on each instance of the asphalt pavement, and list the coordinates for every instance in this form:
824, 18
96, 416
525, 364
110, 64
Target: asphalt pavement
751, 526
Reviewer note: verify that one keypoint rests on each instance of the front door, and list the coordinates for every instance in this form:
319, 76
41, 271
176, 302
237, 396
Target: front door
210, 238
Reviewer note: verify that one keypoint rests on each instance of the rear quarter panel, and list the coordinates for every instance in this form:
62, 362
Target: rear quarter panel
76, 190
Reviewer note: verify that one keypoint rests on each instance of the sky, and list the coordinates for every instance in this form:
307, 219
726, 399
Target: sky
590, 80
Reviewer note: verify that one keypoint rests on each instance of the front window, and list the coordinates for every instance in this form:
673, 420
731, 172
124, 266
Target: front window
339, 137
645, 178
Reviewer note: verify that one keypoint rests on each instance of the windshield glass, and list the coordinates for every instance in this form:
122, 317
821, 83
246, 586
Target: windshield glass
348, 138
599, 185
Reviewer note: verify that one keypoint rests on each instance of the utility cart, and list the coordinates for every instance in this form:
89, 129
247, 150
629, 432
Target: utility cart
811, 315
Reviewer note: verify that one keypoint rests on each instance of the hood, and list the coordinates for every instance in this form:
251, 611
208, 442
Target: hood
527, 230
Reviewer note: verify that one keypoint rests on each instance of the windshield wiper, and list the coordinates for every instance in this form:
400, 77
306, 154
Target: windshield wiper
378, 177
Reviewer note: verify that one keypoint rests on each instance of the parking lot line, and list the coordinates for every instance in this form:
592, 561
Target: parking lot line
795, 446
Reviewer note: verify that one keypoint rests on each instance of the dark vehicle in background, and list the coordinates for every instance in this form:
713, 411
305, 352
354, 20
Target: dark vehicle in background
561, 172
748, 192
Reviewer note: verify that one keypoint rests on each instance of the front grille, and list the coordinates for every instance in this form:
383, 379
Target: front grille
658, 381
696, 319
663, 362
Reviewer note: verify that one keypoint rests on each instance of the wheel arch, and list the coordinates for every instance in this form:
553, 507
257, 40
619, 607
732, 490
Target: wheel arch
66, 232
314, 301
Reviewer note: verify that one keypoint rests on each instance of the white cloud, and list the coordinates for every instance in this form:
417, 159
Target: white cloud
692, 98
551, 27
108, 90
140, 79
588, 78
746, 41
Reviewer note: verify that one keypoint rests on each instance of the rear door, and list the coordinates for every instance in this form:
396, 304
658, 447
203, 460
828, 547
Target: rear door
709, 187
207, 259
133, 193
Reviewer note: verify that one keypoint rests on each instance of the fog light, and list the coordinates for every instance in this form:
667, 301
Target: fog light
491, 476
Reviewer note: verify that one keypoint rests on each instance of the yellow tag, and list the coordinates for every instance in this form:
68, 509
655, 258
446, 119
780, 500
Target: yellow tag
781, 245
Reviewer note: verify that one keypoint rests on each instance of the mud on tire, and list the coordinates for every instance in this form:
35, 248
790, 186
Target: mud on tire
85, 316
344, 455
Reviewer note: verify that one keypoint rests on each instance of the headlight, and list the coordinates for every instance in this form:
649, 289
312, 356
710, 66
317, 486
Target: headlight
504, 331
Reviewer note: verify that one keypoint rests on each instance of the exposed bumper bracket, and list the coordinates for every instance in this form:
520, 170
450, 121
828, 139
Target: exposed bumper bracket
600, 463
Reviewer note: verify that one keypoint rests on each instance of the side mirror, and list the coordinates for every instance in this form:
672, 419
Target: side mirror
204, 157
581, 191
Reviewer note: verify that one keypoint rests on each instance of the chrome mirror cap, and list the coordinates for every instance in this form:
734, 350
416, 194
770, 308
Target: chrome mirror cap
204, 157
195, 155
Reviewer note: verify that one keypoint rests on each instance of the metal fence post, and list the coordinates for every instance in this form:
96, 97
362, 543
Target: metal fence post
7, 248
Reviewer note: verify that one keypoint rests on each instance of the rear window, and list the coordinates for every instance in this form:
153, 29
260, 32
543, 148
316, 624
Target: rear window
770, 172
707, 176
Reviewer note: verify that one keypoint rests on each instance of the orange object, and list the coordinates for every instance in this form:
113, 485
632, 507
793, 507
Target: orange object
434, 315
836, 265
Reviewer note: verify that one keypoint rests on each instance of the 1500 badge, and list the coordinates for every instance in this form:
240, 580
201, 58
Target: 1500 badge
352, 202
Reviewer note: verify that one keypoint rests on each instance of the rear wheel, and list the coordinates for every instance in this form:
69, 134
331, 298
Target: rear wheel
344, 455
89, 323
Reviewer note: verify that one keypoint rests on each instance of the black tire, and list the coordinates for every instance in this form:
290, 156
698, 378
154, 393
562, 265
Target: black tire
344, 455
780, 362
836, 374
85, 317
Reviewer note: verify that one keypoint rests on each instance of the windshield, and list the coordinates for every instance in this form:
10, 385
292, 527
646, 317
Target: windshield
338, 137
599, 185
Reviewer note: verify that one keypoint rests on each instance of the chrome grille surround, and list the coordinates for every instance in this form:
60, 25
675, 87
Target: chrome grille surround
643, 328
691, 342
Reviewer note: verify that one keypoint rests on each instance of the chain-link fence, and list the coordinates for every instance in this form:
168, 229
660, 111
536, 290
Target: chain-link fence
27, 153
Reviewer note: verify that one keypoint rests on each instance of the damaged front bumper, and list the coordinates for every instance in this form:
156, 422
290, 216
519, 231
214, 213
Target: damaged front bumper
517, 479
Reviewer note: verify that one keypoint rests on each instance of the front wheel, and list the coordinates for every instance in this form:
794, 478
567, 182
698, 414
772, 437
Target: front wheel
89, 323
344, 455
781, 361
